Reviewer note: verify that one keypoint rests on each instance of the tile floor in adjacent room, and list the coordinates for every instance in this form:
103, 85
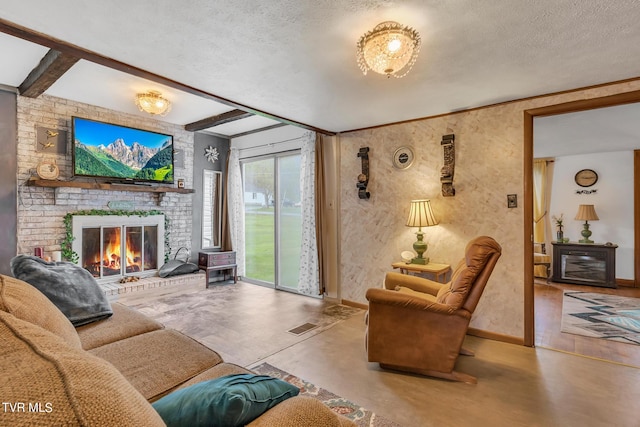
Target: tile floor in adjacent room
517, 385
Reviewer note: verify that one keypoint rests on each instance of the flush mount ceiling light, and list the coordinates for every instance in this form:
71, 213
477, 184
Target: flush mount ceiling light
388, 49
153, 103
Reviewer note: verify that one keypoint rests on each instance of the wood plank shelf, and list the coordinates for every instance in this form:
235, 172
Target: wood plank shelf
106, 186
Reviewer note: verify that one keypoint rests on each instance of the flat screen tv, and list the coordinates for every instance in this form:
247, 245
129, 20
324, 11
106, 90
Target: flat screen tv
120, 153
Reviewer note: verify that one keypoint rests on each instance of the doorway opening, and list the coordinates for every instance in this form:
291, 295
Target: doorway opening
531, 298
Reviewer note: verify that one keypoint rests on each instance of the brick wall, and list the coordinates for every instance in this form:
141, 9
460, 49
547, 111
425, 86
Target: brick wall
41, 210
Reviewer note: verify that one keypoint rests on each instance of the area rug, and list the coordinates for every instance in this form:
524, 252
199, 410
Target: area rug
604, 316
361, 416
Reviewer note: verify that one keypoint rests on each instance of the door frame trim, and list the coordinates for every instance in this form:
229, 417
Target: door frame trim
529, 115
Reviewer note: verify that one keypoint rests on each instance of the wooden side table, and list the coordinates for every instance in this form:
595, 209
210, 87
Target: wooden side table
438, 270
213, 261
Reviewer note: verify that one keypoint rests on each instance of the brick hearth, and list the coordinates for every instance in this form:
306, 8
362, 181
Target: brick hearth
112, 290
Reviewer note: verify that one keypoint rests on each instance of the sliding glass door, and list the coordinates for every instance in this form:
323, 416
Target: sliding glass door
273, 222
289, 221
259, 220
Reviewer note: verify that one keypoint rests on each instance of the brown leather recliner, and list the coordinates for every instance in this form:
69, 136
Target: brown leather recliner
418, 325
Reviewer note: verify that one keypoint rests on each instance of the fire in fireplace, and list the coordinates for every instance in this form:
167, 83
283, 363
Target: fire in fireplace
105, 253
112, 247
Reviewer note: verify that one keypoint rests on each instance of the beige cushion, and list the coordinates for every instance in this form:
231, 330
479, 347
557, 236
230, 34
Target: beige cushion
158, 361
29, 304
125, 322
220, 370
300, 411
70, 386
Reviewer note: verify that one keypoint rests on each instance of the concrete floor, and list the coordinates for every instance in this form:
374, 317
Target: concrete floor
517, 386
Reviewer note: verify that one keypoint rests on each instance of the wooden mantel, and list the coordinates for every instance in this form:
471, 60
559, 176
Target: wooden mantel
36, 182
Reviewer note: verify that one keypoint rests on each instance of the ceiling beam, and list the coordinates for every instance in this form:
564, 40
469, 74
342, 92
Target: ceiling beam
51, 67
249, 132
28, 34
220, 119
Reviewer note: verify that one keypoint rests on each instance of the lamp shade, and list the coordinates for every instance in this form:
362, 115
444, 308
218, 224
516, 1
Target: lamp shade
420, 214
586, 213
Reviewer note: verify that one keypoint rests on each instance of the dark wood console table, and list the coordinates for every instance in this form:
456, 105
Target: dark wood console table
584, 264
213, 261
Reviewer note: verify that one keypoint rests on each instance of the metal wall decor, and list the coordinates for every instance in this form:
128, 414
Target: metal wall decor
403, 158
446, 173
211, 153
50, 140
363, 178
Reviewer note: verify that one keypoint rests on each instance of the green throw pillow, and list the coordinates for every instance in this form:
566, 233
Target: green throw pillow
233, 400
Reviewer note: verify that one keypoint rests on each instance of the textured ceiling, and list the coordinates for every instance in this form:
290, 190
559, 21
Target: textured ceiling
296, 59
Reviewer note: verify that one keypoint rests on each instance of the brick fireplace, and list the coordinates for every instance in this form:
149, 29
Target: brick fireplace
41, 211
111, 247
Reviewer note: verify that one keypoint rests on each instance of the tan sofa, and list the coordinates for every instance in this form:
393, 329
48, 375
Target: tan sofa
106, 373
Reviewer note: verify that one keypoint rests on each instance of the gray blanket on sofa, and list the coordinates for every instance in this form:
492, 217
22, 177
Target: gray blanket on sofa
70, 287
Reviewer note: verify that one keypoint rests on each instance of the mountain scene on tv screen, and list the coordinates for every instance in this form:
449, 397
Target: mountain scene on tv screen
119, 160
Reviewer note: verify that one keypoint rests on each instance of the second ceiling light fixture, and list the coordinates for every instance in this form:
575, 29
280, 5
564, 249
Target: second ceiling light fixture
389, 49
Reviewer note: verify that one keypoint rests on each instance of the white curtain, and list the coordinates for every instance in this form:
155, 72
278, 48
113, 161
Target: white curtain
308, 280
236, 209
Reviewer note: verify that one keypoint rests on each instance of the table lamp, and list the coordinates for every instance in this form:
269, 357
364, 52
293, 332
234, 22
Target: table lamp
586, 213
420, 215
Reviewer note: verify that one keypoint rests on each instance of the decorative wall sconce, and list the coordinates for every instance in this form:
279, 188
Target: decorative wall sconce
446, 173
363, 178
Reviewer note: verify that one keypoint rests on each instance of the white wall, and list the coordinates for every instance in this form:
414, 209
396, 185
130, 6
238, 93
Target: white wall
613, 202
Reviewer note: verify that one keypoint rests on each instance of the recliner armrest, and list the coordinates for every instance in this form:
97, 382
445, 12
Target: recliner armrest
393, 298
419, 284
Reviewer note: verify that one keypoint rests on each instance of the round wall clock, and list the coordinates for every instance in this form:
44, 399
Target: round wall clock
586, 178
48, 170
403, 157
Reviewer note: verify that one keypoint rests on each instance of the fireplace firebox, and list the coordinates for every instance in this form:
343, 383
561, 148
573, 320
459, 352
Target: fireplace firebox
111, 247
584, 264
